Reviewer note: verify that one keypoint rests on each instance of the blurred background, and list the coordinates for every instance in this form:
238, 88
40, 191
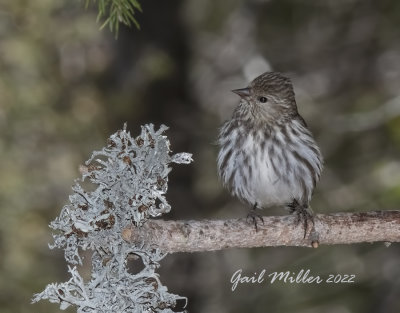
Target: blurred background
65, 87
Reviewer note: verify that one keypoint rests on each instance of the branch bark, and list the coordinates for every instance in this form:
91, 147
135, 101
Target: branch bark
209, 235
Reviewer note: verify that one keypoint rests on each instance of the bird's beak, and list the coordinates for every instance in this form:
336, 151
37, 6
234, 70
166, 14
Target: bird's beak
243, 93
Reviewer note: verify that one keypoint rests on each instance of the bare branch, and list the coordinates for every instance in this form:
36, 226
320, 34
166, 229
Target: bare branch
208, 235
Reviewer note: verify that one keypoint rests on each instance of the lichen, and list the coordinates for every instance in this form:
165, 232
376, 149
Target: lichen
123, 184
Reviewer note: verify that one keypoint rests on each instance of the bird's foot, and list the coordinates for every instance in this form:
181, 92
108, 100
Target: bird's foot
252, 217
304, 214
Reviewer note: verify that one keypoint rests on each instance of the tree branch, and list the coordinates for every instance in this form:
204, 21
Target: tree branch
209, 235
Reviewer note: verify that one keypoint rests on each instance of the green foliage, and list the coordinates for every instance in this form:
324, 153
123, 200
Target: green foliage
116, 12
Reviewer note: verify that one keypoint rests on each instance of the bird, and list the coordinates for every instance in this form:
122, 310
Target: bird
267, 155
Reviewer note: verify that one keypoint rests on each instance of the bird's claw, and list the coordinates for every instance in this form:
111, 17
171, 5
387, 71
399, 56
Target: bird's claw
304, 215
252, 217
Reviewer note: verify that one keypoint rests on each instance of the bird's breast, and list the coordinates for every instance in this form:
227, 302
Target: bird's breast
264, 168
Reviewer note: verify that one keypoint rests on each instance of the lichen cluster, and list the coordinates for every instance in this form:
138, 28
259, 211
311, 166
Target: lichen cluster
122, 184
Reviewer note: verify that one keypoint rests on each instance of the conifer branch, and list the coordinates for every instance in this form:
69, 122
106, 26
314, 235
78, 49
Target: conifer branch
116, 12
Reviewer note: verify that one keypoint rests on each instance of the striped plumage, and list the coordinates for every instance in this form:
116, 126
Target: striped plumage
267, 155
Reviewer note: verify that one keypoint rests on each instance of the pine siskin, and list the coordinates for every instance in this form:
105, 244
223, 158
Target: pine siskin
267, 156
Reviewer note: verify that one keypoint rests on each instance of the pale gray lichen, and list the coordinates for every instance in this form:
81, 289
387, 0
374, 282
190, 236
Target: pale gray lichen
130, 179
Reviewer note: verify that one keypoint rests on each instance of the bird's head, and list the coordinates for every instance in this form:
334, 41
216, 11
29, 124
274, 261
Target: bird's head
269, 98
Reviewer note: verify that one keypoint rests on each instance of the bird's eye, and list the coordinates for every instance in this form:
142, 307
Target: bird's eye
262, 99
